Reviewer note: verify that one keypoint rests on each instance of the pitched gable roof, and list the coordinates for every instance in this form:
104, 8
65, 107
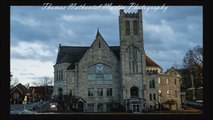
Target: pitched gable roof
72, 54
150, 62
172, 71
20, 88
99, 38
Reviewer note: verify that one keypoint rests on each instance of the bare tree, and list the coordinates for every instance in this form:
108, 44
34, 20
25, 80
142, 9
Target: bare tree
193, 62
43, 82
13, 81
194, 57
176, 66
27, 85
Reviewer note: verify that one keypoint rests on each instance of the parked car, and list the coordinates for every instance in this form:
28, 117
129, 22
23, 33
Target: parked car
53, 106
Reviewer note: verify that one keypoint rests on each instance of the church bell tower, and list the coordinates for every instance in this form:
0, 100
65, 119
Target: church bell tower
132, 56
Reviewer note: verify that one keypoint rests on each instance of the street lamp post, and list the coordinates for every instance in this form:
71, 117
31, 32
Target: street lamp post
25, 102
159, 103
24, 105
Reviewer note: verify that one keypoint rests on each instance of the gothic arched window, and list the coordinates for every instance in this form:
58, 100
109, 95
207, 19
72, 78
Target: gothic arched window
134, 59
60, 93
99, 74
134, 92
127, 27
135, 27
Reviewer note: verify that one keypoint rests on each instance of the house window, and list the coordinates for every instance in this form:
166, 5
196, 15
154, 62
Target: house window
100, 91
159, 81
16, 95
168, 92
160, 93
152, 84
150, 97
127, 28
109, 91
167, 81
135, 27
154, 96
176, 93
175, 81
90, 91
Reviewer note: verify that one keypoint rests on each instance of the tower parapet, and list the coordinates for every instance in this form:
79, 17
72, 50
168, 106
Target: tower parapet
130, 14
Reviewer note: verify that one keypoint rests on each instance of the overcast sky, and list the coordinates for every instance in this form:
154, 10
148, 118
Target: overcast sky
37, 32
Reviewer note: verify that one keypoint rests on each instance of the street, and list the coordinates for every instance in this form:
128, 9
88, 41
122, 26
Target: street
29, 108
42, 108
194, 103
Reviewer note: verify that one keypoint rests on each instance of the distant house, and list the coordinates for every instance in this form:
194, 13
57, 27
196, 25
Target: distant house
18, 93
169, 89
41, 92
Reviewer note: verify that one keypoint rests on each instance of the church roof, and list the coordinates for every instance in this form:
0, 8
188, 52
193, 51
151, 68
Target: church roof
72, 54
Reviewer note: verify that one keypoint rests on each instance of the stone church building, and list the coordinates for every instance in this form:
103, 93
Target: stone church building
100, 75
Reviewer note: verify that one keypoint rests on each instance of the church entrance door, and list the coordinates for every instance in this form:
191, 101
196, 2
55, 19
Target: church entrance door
80, 106
136, 107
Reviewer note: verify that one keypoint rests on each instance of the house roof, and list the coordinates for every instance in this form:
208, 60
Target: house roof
72, 54
150, 62
20, 88
40, 89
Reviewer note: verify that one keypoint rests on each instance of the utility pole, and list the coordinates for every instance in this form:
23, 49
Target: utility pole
193, 87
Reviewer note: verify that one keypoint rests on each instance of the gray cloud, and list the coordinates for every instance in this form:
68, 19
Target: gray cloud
41, 77
167, 35
27, 74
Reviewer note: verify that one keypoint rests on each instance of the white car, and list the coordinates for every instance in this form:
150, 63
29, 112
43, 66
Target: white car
53, 106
